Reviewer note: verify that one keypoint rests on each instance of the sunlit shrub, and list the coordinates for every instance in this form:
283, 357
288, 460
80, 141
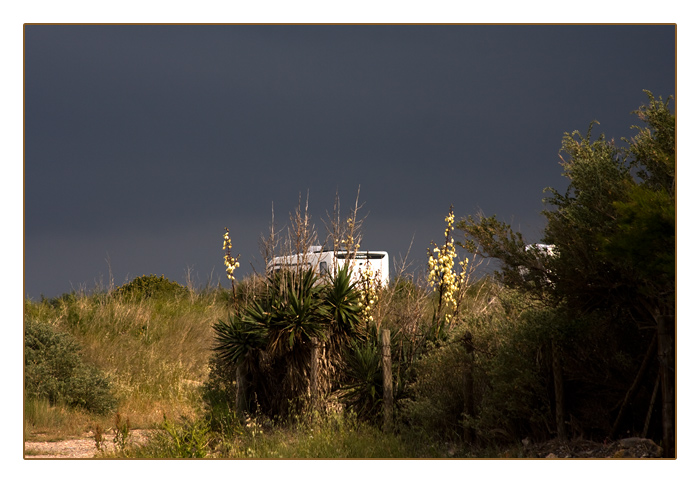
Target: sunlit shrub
55, 371
150, 286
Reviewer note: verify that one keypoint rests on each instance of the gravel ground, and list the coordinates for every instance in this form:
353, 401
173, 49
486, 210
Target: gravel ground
74, 448
629, 448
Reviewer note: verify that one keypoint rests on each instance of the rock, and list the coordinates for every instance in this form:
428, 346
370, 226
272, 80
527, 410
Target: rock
580, 449
631, 442
641, 447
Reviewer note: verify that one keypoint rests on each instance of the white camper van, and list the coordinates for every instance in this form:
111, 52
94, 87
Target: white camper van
541, 248
323, 262
541, 251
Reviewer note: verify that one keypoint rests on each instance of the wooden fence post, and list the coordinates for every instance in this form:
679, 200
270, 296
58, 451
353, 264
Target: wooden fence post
388, 392
314, 374
240, 392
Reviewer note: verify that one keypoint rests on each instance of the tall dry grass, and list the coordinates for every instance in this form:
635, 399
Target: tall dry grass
155, 351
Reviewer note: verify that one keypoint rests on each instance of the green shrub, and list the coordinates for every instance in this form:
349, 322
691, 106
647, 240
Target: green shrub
363, 391
515, 362
186, 438
54, 371
151, 286
434, 405
219, 397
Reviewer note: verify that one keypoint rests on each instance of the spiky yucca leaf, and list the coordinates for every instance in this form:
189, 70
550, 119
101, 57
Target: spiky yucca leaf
296, 311
364, 390
237, 338
343, 305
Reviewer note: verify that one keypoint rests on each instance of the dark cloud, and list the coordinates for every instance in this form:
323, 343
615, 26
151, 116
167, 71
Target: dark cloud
143, 142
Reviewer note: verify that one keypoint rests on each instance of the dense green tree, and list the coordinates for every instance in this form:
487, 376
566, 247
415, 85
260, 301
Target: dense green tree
612, 234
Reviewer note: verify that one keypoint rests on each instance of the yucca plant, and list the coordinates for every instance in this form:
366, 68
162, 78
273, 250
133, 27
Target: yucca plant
298, 316
363, 390
294, 311
342, 300
238, 338
345, 325
272, 339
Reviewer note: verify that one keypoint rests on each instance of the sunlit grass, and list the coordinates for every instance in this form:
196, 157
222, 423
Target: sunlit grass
334, 436
46, 422
154, 351
330, 437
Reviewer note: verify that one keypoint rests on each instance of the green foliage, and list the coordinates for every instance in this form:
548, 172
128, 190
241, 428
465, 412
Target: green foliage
612, 228
516, 401
614, 231
237, 338
434, 405
293, 312
515, 372
187, 439
616, 215
653, 149
363, 391
342, 301
271, 337
489, 237
54, 370
582, 218
512, 379
644, 240
219, 397
151, 286
329, 436
612, 277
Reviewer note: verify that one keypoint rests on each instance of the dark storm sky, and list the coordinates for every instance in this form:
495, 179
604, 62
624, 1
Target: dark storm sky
143, 142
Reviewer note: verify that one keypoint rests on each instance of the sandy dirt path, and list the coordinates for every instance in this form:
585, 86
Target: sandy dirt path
75, 448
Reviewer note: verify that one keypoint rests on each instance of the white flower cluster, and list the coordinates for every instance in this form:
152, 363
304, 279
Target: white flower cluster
230, 262
370, 283
349, 242
441, 274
